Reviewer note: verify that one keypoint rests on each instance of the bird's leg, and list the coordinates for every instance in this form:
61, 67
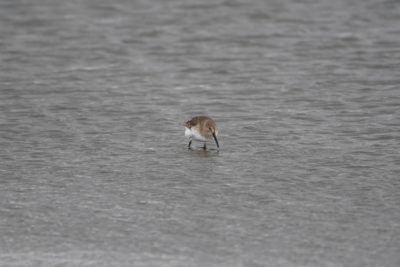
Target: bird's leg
190, 143
204, 147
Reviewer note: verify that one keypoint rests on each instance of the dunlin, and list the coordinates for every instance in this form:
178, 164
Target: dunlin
202, 129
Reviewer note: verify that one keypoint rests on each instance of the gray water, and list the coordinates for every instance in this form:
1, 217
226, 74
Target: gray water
94, 165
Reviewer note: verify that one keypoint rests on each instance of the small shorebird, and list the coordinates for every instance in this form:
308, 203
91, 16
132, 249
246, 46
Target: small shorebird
202, 129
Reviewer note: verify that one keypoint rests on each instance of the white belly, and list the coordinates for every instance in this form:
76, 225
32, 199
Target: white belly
194, 134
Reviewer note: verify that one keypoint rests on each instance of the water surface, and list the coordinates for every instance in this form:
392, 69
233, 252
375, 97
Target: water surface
94, 165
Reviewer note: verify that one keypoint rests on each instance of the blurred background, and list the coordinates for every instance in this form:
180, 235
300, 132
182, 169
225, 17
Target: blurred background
94, 166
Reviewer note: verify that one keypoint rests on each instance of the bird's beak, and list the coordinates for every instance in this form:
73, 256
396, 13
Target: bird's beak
216, 140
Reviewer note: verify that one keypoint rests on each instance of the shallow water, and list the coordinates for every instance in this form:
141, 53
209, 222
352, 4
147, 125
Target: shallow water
94, 165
